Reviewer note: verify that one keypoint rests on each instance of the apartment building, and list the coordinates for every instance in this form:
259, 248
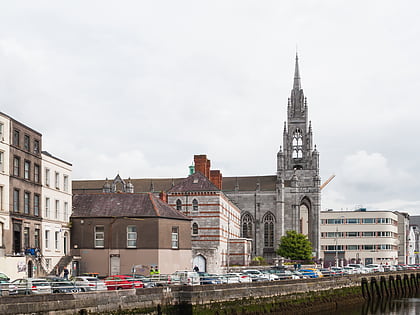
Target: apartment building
57, 209
361, 236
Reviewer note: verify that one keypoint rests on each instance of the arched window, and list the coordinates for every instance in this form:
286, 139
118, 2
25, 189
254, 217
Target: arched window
195, 205
195, 229
268, 230
297, 144
179, 204
247, 226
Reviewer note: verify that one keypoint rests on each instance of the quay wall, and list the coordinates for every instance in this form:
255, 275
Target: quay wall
177, 299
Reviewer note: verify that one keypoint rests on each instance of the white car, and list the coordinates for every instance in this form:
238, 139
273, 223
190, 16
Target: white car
348, 270
360, 267
89, 284
254, 273
230, 278
32, 286
375, 268
243, 278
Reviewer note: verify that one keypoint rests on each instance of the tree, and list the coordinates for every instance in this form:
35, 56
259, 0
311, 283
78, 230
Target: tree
295, 246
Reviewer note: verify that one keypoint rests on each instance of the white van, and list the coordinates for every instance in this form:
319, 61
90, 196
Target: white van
187, 277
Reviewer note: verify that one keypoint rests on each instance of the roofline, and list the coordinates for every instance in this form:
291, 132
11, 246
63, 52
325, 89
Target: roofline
56, 158
129, 217
17, 121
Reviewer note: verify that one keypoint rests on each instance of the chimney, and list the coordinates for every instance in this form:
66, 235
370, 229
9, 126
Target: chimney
202, 165
216, 178
163, 196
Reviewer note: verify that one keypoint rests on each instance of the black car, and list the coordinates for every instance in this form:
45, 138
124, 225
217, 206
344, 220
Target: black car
61, 285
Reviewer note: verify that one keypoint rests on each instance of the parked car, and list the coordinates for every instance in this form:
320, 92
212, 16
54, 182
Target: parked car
187, 277
327, 272
60, 285
207, 278
338, 271
299, 274
360, 267
243, 278
86, 283
5, 285
119, 282
230, 278
390, 268
147, 281
32, 286
375, 268
283, 274
257, 275
311, 272
349, 270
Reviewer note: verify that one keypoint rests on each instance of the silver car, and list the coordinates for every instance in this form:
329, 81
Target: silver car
32, 286
89, 284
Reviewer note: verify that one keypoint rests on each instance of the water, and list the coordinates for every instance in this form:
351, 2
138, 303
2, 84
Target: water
391, 306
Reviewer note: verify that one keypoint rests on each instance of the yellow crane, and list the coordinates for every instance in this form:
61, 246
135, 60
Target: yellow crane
327, 181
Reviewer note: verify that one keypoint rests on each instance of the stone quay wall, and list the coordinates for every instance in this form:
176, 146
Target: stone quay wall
157, 300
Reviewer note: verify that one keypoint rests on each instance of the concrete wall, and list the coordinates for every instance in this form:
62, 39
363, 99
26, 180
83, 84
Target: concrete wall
158, 298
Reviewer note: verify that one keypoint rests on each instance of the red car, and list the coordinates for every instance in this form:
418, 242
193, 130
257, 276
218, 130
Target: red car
118, 282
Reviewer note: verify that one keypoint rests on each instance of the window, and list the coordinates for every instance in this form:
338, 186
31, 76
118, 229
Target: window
47, 177
131, 236
99, 236
368, 247
26, 202
297, 144
47, 239
36, 205
335, 221
174, 238
66, 211
352, 247
56, 240
36, 238
16, 200
335, 234
26, 142
1, 131
268, 230
1, 161
384, 220
16, 166
247, 226
26, 169
16, 137
179, 204
195, 229
352, 221
57, 180
195, 205
26, 237
368, 221
36, 173
57, 208
47, 207
369, 234
36, 146
66, 183
352, 234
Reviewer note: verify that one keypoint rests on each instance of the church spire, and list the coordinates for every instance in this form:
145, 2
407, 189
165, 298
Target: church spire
296, 81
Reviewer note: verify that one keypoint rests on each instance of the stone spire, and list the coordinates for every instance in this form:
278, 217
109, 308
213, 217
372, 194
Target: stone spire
296, 81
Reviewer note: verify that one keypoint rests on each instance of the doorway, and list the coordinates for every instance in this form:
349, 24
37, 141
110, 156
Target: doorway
200, 262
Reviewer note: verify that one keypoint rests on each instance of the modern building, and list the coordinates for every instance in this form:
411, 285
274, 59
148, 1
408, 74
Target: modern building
361, 236
216, 226
57, 201
415, 226
270, 205
124, 230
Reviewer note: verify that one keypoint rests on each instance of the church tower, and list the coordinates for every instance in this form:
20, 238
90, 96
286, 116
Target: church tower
298, 168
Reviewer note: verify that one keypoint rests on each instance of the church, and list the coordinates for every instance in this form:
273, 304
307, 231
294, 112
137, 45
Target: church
269, 205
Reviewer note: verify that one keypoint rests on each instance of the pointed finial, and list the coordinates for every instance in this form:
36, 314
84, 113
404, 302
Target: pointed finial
296, 81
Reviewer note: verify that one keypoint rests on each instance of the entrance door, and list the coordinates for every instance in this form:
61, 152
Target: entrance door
30, 269
200, 262
115, 265
65, 244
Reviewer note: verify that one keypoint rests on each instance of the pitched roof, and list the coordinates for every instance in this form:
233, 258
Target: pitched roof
194, 182
245, 183
123, 204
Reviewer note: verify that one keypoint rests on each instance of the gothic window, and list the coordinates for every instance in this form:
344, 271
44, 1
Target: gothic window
195, 205
195, 229
179, 205
297, 144
247, 226
268, 230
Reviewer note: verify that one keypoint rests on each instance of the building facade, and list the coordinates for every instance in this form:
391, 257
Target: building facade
56, 212
367, 237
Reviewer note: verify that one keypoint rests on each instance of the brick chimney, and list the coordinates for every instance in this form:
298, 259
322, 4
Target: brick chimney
216, 178
163, 196
202, 164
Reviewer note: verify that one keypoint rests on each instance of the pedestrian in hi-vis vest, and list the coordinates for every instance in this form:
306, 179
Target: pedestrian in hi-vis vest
157, 271
152, 272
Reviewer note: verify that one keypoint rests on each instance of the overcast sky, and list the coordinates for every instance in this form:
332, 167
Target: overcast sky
139, 87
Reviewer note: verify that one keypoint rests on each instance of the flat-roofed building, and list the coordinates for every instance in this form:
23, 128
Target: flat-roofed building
361, 236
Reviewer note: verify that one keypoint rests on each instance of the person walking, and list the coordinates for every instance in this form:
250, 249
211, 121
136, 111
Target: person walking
66, 273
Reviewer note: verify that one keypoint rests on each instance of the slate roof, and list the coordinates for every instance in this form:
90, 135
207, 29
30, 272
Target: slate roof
245, 183
194, 182
123, 204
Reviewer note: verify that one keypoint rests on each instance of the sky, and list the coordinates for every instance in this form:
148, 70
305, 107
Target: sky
139, 87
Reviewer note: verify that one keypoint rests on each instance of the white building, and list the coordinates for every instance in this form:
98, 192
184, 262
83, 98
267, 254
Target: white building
57, 209
360, 237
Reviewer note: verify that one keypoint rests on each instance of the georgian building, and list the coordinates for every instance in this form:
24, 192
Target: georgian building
56, 212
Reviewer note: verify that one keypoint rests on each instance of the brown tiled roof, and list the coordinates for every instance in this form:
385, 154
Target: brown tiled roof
245, 183
123, 204
194, 182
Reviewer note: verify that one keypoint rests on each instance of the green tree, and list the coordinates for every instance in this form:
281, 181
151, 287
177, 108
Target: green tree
295, 246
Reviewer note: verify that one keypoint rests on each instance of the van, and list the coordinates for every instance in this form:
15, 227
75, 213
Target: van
187, 277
